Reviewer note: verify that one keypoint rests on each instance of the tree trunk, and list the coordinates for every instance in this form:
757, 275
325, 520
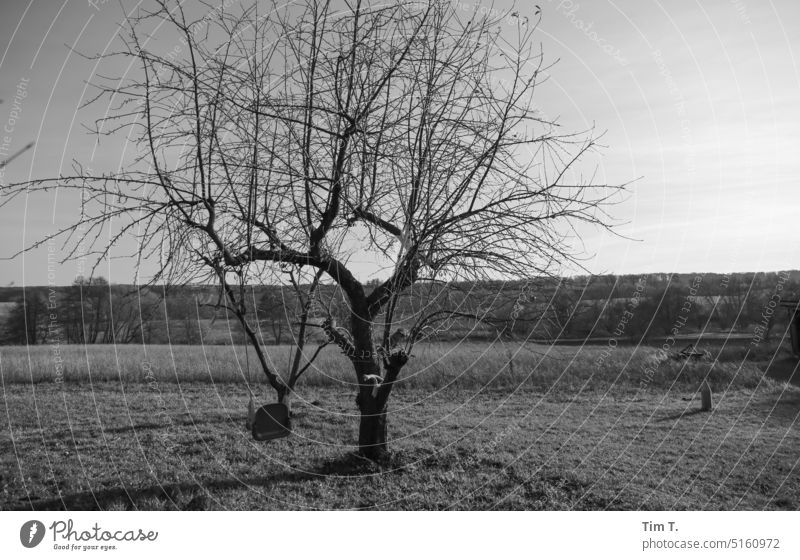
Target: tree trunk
372, 427
372, 438
286, 398
372, 430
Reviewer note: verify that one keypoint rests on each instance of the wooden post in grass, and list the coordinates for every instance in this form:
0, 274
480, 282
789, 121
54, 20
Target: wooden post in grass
705, 397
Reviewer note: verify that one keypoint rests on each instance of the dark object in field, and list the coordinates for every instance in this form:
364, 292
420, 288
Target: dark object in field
271, 422
705, 397
690, 353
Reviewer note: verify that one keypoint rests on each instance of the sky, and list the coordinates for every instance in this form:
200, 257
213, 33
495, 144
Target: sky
698, 103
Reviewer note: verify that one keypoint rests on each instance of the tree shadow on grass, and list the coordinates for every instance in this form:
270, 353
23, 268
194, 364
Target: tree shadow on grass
176, 496
786, 407
95, 430
785, 370
200, 495
682, 415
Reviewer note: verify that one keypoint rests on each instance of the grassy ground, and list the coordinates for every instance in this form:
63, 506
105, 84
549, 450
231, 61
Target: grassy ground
183, 446
433, 365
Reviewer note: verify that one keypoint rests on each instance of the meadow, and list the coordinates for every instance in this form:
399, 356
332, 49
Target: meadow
436, 365
472, 426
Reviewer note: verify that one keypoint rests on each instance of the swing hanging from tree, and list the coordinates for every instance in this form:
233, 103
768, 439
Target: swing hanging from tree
270, 421
273, 420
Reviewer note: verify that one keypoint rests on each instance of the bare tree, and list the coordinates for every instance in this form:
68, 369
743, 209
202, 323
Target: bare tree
15, 155
294, 139
27, 320
130, 313
275, 311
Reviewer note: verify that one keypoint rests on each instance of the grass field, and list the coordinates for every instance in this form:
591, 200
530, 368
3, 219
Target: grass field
433, 365
557, 432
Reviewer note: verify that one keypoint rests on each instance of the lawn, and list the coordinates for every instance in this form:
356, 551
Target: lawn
183, 445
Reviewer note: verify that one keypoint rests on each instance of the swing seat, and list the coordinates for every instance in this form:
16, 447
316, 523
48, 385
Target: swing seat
271, 422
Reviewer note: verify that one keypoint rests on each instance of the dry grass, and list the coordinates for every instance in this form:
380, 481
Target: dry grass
139, 447
434, 365
473, 426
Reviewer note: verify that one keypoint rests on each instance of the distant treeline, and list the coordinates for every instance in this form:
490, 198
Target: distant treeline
627, 307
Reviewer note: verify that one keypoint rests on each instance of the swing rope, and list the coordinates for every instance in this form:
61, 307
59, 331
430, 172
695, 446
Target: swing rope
271, 421
251, 405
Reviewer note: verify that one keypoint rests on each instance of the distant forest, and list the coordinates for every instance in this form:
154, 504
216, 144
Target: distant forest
629, 308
